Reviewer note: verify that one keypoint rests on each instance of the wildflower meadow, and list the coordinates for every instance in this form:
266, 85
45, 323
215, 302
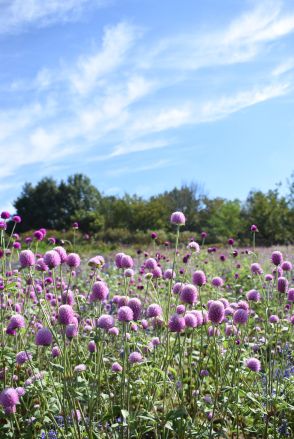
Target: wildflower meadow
177, 340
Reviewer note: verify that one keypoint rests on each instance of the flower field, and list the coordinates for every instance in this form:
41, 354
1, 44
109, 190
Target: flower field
178, 341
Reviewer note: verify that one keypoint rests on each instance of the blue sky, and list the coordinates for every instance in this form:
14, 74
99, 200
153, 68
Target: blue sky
144, 95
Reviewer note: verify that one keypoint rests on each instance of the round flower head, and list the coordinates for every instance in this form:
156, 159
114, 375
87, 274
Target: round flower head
150, 263
291, 295
287, 266
44, 337
38, 235
253, 364
274, 318
135, 357
92, 346
52, 259
199, 278
80, 368
176, 323
217, 282
157, 272
26, 258
129, 272
191, 320
22, 357
169, 274
65, 314
20, 391
113, 331
277, 258
55, 352
178, 218
177, 288
240, 316
282, 285
73, 260
96, 262
41, 265
16, 219
105, 321
216, 311
125, 314
154, 310
100, 291
62, 253
136, 306
9, 397
116, 367
268, 277
127, 262
118, 258
189, 294
5, 215
194, 246
231, 241
253, 295
180, 309
16, 321
153, 235
254, 228
71, 331
256, 268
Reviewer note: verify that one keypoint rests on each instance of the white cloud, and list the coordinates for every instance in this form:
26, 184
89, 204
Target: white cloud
284, 67
17, 15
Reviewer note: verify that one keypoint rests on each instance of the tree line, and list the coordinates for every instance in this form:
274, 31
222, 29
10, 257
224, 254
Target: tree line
56, 205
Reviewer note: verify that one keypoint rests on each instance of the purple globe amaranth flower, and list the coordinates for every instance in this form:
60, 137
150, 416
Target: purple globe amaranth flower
80, 368
222, 258
199, 278
274, 318
73, 260
113, 331
178, 218
38, 235
65, 314
216, 311
9, 398
254, 228
194, 246
127, 262
62, 253
169, 274
157, 272
92, 346
240, 316
16, 321
243, 304
253, 364
191, 320
217, 282
55, 352
135, 357
125, 314
253, 295
180, 309
116, 367
268, 277
118, 258
44, 337
41, 265
177, 288
52, 259
291, 295
189, 294
96, 262
71, 330
26, 258
136, 306
287, 266
256, 268
16, 219
154, 235
151, 263
203, 235
282, 285
176, 323
16, 245
100, 291
277, 258
154, 310
105, 321
22, 357
129, 272
5, 215
231, 241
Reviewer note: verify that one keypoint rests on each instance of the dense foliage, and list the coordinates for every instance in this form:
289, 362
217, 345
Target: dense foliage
56, 205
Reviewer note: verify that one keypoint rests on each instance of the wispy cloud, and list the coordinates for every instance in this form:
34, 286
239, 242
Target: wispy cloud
17, 15
144, 168
284, 67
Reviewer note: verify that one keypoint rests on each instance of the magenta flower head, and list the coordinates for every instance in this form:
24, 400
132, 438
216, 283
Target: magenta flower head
203, 235
38, 235
274, 318
100, 291
43, 337
135, 357
71, 331
116, 367
217, 282
216, 312
22, 357
125, 314
169, 274
176, 323
52, 259
153, 235
26, 258
231, 241
291, 295
191, 320
199, 278
65, 314
5, 215
73, 260
253, 295
157, 272
16, 219
268, 277
253, 364
287, 266
75, 226
16, 321
62, 253
127, 262
154, 310
282, 285
9, 398
118, 258
136, 306
178, 218
240, 316
92, 346
55, 352
180, 309
256, 268
105, 321
150, 263
177, 288
41, 265
254, 228
189, 294
194, 246
277, 258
